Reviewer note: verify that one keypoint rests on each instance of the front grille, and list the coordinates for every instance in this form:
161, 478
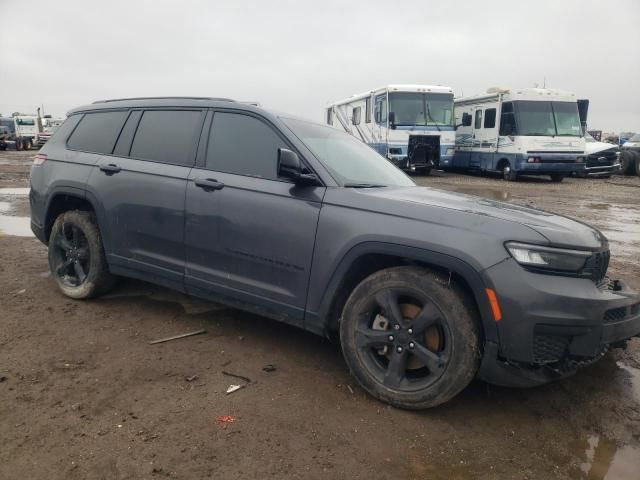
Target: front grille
620, 313
549, 348
596, 266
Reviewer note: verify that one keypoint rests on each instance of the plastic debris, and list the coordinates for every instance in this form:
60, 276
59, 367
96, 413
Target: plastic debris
233, 388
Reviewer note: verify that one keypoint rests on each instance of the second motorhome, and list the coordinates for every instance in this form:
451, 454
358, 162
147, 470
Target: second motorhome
411, 125
531, 131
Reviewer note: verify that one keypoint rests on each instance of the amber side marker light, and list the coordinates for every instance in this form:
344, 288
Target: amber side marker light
495, 306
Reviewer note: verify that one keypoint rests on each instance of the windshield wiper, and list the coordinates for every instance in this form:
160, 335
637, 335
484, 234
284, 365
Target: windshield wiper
362, 185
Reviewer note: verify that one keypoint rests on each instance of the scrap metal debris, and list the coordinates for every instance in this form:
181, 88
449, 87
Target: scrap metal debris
176, 337
269, 368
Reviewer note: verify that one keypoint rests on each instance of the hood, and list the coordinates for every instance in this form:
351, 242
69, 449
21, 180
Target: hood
557, 229
596, 147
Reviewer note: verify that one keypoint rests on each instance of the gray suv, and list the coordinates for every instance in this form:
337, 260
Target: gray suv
296, 221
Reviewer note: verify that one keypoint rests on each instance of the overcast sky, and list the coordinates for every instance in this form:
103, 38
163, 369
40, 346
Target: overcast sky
296, 56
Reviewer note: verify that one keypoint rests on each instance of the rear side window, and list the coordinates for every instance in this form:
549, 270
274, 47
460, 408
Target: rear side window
168, 136
490, 118
367, 110
243, 145
97, 132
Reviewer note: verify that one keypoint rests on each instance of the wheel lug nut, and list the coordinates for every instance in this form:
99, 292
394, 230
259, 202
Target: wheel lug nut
399, 349
411, 345
396, 327
410, 331
391, 338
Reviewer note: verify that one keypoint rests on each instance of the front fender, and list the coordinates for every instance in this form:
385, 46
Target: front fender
318, 321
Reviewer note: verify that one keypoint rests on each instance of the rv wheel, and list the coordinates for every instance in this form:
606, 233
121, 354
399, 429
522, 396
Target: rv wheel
18, 144
557, 178
27, 145
508, 174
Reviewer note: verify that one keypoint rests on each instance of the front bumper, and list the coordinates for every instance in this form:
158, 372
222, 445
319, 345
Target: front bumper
595, 169
551, 325
549, 163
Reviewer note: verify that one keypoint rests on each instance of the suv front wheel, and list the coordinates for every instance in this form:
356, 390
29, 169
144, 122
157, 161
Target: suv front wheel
76, 256
410, 337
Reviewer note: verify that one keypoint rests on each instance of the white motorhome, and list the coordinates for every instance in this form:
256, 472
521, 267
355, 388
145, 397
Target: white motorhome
532, 131
411, 125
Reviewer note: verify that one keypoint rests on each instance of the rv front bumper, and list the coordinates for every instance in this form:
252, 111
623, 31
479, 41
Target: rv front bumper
552, 324
546, 163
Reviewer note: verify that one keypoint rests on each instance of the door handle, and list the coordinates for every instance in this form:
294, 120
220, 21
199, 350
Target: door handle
208, 184
110, 169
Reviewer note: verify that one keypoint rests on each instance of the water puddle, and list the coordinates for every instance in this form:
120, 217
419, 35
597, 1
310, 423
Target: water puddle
15, 226
604, 460
14, 191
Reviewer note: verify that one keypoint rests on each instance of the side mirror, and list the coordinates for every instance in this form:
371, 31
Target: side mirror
290, 166
392, 119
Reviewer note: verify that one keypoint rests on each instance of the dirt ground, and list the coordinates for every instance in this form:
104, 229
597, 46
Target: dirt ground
84, 395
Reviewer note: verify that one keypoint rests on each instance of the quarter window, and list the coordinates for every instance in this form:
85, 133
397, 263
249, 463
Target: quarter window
243, 145
97, 132
167, 136
329, 116
490, 118
478, 121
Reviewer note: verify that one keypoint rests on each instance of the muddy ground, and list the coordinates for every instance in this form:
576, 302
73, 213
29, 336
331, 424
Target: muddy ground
84, 395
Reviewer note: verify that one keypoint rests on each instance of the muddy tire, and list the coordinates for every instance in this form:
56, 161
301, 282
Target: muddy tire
508, 174
18, 145
3, 147
638, 165
426, 171
557, 177
410, 337
76, 256
26, 145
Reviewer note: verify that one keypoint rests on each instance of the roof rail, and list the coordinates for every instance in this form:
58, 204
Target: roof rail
220, 99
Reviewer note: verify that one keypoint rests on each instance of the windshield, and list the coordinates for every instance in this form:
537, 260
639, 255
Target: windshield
421, 109
547, 119
350, 161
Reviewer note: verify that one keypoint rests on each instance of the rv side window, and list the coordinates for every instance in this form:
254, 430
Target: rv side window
478, 121
381, 109
507, 120
367, 110
357, 113
466, 119
329, 116
490, 118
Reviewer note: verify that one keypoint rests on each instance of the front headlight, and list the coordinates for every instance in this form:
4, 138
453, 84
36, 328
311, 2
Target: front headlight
548, 258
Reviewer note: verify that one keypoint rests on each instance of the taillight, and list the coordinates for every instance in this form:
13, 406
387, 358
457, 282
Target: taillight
39, 159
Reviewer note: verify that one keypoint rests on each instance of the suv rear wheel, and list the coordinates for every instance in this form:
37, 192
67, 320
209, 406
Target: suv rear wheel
76, 256
557, 177
410, 337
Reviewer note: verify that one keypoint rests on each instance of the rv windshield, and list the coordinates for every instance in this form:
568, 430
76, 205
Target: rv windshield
421, 109
351, 162
548, 119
